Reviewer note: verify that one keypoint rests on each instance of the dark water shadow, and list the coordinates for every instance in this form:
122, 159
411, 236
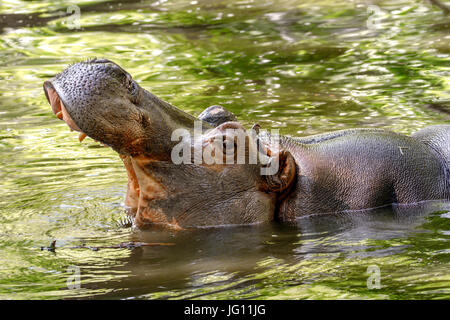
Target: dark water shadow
237, 254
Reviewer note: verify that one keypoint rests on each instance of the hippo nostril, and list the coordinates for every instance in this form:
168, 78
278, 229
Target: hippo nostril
108, 66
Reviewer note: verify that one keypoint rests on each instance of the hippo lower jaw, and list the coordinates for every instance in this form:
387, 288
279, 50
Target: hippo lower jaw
142, 189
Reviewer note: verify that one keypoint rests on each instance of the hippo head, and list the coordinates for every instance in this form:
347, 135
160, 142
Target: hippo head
170, 182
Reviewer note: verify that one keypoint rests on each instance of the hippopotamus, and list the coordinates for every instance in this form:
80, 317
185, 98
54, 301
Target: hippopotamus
337, 172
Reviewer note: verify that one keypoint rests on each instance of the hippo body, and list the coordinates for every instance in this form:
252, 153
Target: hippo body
364, 168
341, 171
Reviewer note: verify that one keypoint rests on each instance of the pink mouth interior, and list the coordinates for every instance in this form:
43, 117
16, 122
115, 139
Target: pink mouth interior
61, 112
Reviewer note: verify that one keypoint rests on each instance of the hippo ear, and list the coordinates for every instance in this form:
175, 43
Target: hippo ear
284, 177
216, 115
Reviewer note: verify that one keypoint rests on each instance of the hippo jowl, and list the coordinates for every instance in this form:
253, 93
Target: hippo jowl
329, 173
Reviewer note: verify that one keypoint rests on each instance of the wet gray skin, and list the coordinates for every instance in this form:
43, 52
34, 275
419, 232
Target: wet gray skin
341, 171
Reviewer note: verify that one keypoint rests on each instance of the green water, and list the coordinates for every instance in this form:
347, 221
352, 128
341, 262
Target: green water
302, 67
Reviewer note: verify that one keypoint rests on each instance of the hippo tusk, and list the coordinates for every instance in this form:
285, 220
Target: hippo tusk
82, 136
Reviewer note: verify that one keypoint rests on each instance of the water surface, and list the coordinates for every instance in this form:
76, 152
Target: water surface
303, 67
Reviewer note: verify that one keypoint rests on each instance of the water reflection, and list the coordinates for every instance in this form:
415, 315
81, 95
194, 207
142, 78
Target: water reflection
258, 262
304, 67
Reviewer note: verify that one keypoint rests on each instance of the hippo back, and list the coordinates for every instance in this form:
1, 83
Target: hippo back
437, 138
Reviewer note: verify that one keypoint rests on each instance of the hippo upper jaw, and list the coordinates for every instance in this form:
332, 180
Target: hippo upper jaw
99, 99
86, 110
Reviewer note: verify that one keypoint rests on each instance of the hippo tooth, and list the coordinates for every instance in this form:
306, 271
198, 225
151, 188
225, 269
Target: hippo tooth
60, 115
82, 136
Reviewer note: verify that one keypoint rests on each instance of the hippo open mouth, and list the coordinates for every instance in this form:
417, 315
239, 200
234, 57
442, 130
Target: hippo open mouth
99, 99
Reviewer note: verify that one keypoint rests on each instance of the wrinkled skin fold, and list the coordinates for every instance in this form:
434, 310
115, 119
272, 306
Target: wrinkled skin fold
340, 171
